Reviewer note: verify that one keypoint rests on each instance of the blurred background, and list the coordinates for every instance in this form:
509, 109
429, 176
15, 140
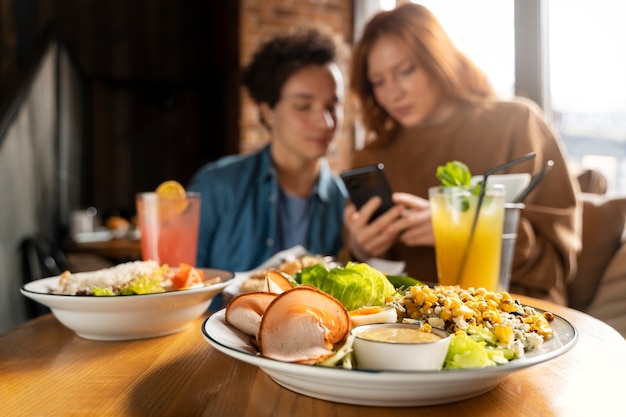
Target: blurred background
102, 99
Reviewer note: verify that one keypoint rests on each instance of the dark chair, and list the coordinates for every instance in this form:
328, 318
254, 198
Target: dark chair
41, 258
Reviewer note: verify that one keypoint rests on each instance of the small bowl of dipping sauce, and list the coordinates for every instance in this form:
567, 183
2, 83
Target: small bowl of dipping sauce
400, 346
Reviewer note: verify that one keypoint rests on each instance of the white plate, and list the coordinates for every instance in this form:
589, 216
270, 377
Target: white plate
513, 183
126, 317
383, 388
89, 237
274, 262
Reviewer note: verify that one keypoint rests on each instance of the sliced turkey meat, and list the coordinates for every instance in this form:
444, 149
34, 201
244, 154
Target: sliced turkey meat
302, 325
244, 312
276, 282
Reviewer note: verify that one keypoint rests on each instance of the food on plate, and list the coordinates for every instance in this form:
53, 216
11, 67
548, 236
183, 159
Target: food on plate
489, 328
117, 223
402, 281
486, 328
137, 277
354, 285
302, 325
373, 314
412, 334
416, 334
244, 312
277, 282
256, 281
128, 278
187, 277
400, 346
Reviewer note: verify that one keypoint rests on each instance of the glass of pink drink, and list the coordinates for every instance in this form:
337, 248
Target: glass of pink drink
169, 228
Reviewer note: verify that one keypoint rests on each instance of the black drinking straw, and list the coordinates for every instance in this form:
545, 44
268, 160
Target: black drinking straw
533, 183
481, 196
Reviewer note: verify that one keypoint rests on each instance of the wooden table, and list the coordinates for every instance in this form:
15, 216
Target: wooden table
113, 249
45, 370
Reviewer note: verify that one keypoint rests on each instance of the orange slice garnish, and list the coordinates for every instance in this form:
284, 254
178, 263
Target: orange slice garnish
171, 190
173, 197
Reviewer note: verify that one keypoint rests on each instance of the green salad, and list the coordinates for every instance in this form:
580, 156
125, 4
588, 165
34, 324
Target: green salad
355, 285
487, 328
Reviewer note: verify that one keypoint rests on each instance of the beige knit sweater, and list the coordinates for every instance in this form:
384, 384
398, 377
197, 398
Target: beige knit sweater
483, 136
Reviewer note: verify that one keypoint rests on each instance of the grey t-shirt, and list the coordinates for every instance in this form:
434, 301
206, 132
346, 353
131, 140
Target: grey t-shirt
293, 221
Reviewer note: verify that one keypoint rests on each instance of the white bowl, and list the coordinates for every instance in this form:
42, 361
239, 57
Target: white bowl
398, 355
126, 317
513, 183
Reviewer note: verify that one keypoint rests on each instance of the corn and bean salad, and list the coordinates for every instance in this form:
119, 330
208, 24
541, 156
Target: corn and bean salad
514, 327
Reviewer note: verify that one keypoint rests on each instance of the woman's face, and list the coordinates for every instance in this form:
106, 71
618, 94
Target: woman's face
401, 85
304, 120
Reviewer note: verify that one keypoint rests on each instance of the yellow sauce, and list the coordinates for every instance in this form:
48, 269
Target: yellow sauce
398, 335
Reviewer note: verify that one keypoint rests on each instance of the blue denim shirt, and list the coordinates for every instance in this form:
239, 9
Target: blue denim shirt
238, 221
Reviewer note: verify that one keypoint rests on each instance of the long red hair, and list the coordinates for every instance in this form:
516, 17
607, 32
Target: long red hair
413, 24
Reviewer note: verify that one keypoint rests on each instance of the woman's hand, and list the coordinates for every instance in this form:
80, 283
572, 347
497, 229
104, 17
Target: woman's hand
408, 221
416, 223
371, 239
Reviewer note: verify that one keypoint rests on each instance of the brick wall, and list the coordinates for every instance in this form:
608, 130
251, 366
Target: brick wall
261, 19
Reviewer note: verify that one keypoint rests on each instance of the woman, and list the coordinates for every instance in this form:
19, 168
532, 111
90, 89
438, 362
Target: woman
285, 194
424, 104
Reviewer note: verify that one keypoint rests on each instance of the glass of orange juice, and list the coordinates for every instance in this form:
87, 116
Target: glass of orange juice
169, 227
467, 248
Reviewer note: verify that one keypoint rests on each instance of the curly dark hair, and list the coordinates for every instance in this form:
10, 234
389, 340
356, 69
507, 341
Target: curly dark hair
277, 59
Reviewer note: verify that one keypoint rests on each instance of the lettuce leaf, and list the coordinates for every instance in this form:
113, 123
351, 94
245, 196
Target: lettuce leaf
102, 292
355, 285
144, 284
141, 284
474, 351
343, 357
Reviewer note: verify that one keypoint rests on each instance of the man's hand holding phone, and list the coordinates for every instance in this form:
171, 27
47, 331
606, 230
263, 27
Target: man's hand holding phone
371, 238
378, 219
371, 215
366, 182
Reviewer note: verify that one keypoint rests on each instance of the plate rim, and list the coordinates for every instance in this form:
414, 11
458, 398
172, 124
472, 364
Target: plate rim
369, 388
25, 290
468, 373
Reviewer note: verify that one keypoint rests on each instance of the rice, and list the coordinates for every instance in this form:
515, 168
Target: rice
84, 282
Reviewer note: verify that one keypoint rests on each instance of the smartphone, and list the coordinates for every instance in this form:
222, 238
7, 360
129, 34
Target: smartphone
365, 182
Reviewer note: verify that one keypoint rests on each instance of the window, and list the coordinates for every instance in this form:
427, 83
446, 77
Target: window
472, 25
571, 62
588, 85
